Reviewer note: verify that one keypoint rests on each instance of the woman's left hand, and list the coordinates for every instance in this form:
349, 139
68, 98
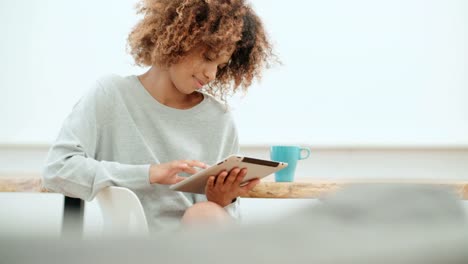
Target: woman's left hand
225, 187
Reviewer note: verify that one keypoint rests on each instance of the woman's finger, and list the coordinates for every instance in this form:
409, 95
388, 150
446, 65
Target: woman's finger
179, 166
179, 179
220, 178
240, 177
190, 170
250, 185
232, 178
176, 167
196, 163
211, 182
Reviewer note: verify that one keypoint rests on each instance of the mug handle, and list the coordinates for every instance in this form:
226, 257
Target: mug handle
307, 150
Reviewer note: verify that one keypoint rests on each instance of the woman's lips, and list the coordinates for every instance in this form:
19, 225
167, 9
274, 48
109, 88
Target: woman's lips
198, 83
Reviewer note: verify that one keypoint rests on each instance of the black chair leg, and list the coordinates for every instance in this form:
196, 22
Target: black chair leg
73, 214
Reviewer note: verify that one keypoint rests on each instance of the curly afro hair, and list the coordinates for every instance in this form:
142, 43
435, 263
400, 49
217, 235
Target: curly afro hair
171, 28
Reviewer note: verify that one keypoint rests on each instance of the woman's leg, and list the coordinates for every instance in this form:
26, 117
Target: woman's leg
206, 214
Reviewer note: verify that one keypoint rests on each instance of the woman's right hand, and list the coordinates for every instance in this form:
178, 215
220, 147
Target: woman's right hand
167, 173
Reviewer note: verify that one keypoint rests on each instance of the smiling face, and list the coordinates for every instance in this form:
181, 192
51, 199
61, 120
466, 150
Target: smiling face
171, 28
198, 68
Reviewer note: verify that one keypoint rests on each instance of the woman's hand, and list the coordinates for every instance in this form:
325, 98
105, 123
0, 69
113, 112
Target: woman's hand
167, 173
225, 187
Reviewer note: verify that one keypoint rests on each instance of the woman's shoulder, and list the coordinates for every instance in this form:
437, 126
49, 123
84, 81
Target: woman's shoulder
103, 89
112, 82
103, 96
108, 86
217, 104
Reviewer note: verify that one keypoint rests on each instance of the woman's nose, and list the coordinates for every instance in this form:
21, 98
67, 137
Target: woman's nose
210, 73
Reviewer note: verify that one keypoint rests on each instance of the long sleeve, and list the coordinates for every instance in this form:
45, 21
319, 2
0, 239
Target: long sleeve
71, 167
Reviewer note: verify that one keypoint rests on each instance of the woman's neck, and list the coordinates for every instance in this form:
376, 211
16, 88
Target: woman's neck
158, 84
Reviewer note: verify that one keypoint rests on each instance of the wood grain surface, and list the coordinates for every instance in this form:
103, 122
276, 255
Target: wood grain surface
303, 188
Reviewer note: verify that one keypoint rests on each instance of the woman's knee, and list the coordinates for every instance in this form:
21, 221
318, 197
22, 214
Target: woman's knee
206, 213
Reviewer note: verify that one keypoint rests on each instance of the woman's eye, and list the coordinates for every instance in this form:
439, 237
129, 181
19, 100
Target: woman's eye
208, 58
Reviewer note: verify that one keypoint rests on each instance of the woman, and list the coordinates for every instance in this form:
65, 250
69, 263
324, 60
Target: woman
143, 132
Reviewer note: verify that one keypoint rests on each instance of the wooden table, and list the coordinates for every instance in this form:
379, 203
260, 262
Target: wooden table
305, 188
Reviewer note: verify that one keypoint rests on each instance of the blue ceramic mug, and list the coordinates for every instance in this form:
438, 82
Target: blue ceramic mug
289, 154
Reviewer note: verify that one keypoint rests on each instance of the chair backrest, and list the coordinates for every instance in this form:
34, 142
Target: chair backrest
122, 212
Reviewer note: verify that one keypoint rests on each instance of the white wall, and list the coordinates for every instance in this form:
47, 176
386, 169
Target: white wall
355, 72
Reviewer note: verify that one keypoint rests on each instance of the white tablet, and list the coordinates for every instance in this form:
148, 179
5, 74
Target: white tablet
256, 168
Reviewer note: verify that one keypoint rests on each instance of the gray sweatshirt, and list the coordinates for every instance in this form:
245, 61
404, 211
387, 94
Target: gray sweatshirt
118, 129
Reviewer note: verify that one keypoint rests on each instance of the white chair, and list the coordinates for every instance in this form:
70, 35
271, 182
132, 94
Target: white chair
122, 212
